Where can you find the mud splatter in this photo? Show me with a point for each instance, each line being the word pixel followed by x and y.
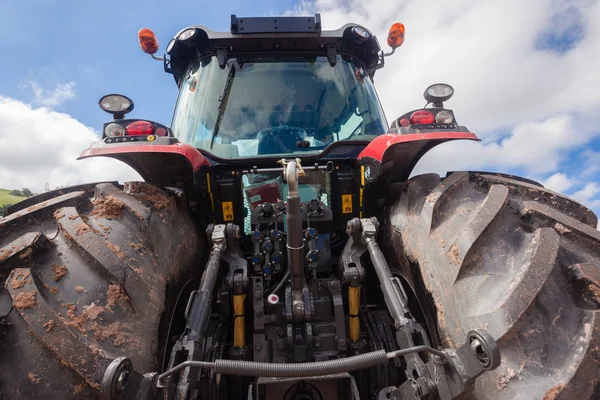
pixel 59 271
pixel 107 208
pixel 595 291
pixel 67 235
pixel 90 313
pixel 116 249
pixel 57 214
pixel 81 229
pixel 33 377
pixel 505 378
pixel 19 278
pixel 4 254
pixel 80 289
pixel 115 295
pixel 105 228
pixel 455 254
pixel 49 325
pixel 148 194
pixel 77 389
pixel 95 350
pixel 72 217
pixel 137 270
pixel 53 289
pixel 553 393
pixel 26 253
pixel 112 331
pixel 138 247
pixel 25 300
pixel 560 228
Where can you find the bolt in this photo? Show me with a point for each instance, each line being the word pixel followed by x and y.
pixel 333 284
pixel 258 310
pixel 281 332
pixel 317 342
pixel 258 294
pixel 342 342
pixel 281 345
pixel 258 346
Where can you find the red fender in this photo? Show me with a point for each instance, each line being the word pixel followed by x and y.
pixel 163 164
pixel 395 155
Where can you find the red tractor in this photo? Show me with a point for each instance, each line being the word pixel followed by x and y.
pixel 279 249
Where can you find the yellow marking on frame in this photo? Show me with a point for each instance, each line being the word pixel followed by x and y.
pixel 227 210
pixel 346 204
pixel 353 307
pixel 362 175
pixel 239 326
pixel 212 200
pixel 360 194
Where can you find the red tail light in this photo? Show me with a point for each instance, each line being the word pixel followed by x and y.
pixel 404 122
pixel 160 132
pixel 139 128
pixel 422 117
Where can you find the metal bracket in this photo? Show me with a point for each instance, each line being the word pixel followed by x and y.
pixel 331 55
pixel 455 374
pixel 222 56
pixel 237 277
pixel 120 381
pixel 349 266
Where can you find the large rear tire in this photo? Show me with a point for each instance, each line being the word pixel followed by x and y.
pixel 93 274
pixel 511 257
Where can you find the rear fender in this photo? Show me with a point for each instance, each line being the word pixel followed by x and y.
pixel 163 161
pixel 392 157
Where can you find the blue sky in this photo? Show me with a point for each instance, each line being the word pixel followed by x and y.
pixel 94 44
pixel 525 74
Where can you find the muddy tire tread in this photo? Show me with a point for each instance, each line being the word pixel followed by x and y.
pixel 507 255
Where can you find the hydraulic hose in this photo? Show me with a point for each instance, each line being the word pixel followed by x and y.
pixel 299 370
pixel 286 370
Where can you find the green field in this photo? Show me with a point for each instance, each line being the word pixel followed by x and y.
pixel 7 199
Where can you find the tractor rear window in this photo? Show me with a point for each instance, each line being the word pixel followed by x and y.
pixel 261 107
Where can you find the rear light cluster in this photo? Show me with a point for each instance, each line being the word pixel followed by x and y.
pixel 136 128
pixel 421 117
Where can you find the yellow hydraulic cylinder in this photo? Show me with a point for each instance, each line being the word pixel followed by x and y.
pixel 353 306
pixel 239 328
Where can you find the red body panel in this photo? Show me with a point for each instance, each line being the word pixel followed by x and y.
pixel 377 148
pixel 195 158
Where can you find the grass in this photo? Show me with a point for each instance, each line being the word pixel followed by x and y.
pixel 7 199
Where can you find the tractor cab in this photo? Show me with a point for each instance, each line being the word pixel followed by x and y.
pixel 271 90
pixel 274 87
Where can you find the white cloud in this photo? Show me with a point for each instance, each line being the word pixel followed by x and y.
pixel 525 75
pixel 558 182
pixel 39 146
pixel 587 194
pixel 52 98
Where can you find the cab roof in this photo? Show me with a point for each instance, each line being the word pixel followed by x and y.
pixel 272 36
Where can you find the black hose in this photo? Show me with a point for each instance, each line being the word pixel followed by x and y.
pixel 299 370
pixel 281 283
